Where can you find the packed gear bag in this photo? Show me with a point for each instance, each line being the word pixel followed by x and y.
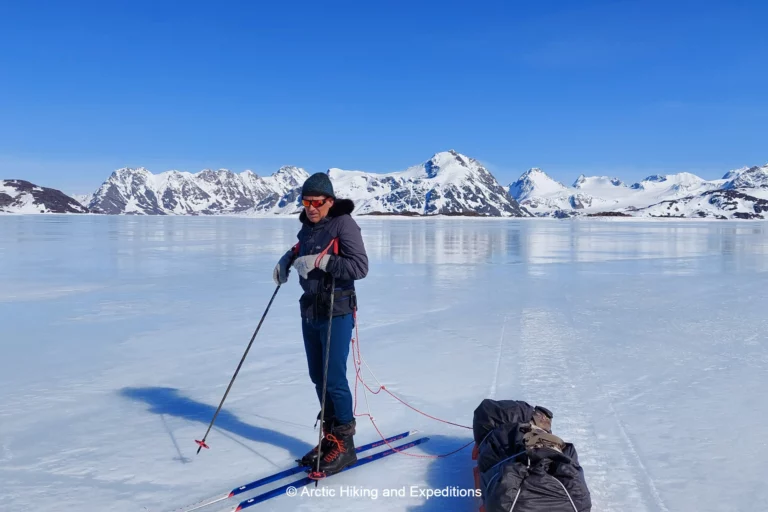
pixel 521 465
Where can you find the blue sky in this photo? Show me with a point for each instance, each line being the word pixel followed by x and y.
pixel 621 88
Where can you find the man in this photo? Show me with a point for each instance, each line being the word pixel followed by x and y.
pixel 325 219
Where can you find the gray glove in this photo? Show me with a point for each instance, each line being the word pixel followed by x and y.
pixel 306 264
pixel 282 269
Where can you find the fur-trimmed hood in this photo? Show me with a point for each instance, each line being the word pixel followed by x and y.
pixel 340 207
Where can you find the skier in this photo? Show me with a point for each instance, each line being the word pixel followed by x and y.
pixel 324 219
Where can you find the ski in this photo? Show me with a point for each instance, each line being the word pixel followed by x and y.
pixel 306 480
pixel 284 474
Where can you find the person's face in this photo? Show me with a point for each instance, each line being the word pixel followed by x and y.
pixel 316 213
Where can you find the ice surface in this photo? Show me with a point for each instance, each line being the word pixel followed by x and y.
pixel 120 334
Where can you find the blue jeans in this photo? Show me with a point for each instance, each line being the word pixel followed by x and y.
pixel 338 402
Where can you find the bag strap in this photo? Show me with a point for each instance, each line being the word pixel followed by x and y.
pixel 334 245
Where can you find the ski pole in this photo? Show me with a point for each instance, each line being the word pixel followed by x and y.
pixel 317 473
pixel 201 443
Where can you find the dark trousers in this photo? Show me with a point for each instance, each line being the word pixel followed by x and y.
pixel 338 402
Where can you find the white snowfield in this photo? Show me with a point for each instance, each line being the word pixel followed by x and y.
pixel 23 201
pixel 679 195
pixel 120 334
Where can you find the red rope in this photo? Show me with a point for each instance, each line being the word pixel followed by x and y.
pixel 357 358
pixel 334 243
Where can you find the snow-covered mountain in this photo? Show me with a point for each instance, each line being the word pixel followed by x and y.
pixel 83 199
pixel 448 184
pixel 682 194
pixel 536 183
pixel 747 177
pixel 19 196
pixel 718 204
pixel 540 194
pixel 138 191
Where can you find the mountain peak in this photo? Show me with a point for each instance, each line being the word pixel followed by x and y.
pixel 292 173
pixel 673 182
pixel 589 181
pixel 752 177
pixel 534 171
pixel 451 165
pixel 448 183
pixel 214 175
pixel 735 172
pixel 21 196
pixel 128 171
pixel 536 182
pixel 450 154
pixel 292 169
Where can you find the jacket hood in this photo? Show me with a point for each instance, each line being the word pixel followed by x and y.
pixel 340 207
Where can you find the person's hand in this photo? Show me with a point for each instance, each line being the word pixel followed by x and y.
pixel 282 269
pixel 306 264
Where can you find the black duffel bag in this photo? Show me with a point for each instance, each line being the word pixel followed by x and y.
pixel 523 466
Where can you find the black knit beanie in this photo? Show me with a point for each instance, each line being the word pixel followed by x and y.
pixel 319 184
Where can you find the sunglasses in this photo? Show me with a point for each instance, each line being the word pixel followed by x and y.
pixel 317 203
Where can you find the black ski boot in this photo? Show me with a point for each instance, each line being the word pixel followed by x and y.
pixel 342 452
pixel 310 458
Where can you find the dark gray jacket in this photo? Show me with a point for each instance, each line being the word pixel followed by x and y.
pixel 349 265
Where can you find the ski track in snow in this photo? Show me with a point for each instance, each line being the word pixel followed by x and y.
pixel 630 445
pixel 494 385
pixel 633 450
pixel 550 376
pixel 7 454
